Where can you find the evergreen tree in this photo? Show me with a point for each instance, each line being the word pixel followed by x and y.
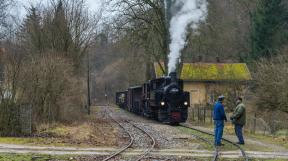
pixel 32 30
pixel 62 40
pixel 269 28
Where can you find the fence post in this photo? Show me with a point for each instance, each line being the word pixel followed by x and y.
pixel 254 124
pixel 198 113
pixel 193 111
pixel 211 117
pixel 204 114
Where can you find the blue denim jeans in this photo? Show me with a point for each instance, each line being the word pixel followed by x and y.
pixel 219 126
pixel 239 134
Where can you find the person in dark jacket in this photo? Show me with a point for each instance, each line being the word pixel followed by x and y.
pixel 239 120
pixel 219 117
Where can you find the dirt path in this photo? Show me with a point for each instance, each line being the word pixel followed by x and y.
pixel 251 142
pixel 21 149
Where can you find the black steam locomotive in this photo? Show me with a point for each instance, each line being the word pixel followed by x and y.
pixel 162 99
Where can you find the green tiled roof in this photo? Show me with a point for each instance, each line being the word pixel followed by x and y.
pixel 212 72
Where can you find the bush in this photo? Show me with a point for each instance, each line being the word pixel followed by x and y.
pixel 9 118
pixel 46 84
pixel 272 84
pixel 49 85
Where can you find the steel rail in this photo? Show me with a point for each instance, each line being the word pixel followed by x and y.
pixel 215 155
pixel 126 146
pixel 227 140
pixel 150 136
pixel 132 139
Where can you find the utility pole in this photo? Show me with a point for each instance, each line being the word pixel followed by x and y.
pixel 168 15
pixel 167 6
pixel 88 85
pixel 106 95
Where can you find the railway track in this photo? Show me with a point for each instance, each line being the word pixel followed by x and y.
pixel 216 154
pixel 123 124
pixel 152 139
pixel 123 148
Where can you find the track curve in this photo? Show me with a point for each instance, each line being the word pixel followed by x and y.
pixel 132 139
pixel 150 136
pixel 123 148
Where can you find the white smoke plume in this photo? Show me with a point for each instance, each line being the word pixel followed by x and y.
pixel 190 14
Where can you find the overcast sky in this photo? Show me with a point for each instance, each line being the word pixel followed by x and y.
pixel 94 5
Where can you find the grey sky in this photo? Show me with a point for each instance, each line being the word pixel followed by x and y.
pixel 94 5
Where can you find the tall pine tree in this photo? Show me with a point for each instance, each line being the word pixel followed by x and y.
pixel 269 28
pixel 32 35
pixel 62 40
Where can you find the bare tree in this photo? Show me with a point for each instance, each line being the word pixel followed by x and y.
pixel 66 26
pixel 225 34
pixel 81 25
pixel 40 69
pixel 272 85
pixel 4 5
pixel 144 22
pixel 11 60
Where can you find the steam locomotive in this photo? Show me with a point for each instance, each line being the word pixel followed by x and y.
pixel 162 99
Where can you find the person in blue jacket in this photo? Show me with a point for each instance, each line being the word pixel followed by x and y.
pixel 219 117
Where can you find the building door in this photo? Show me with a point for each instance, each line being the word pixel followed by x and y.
pixel 195 96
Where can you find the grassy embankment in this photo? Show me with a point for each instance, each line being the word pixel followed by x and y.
pixel 90 132
pixel 31 157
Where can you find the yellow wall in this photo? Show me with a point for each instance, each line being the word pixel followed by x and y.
pixel 197 92
pixel 202 93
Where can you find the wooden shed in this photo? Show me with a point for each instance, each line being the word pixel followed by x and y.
pixel 205 81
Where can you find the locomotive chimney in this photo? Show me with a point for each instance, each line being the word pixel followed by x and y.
pixel 173 76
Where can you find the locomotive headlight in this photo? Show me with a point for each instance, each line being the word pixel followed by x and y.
pixel 186 103
pixel 162 103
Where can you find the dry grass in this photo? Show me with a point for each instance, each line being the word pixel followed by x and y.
pixel 92 132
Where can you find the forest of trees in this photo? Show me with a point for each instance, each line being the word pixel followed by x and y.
pixel 43 64
pixel 44 59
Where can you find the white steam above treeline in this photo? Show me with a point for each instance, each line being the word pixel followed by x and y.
pixel 186 14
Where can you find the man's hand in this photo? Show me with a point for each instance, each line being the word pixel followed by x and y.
pixel 232 119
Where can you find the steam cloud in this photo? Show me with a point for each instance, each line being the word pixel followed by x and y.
pixel 190 14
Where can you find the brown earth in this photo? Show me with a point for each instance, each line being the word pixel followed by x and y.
pixel 93 131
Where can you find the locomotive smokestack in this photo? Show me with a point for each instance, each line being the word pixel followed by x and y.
pixel 173 76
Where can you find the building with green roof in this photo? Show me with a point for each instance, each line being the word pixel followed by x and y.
pixel 205 81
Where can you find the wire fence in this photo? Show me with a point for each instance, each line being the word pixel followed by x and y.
pixel 201 114
pixel 26 119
